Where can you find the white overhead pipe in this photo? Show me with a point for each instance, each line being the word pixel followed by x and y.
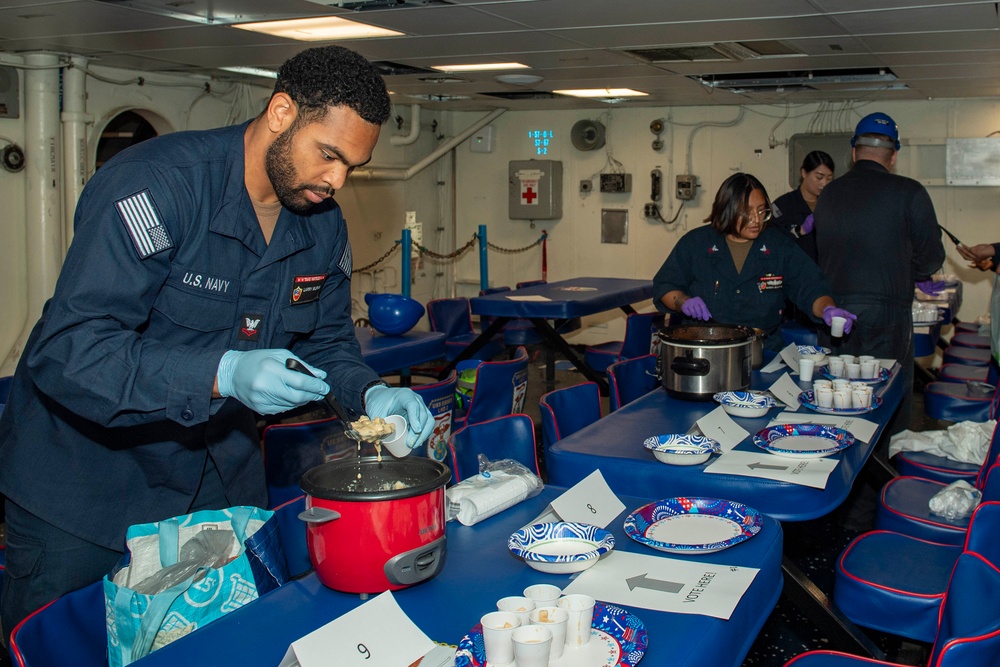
pixel 43 180
pixel 396 140
pixel 74 122
pixel 404 174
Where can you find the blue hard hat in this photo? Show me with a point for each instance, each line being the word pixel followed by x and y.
pixel 876 123
pixel 393 314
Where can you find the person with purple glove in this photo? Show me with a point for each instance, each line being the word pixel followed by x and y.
pixel 877 236
pixel 739 270
pixel 931 287
pixel 793 211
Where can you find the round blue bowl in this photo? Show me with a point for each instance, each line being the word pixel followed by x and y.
pixel 393 314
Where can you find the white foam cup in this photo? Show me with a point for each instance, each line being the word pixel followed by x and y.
pixel 853 371
pixel 868 369
pixel 836 365
pixel 824 397
pixel 519 605
pixel 532 644
pixel 849 358
pixel 837 326
pixel 555 619
pixel 581 618
pixel 842 399
pixel 544 595
pixel 396 443
pixel 498 641
pixel 806 367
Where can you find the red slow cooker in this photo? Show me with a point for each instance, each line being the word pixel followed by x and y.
pixel 375 526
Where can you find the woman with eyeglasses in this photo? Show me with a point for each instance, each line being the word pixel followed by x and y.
pixel 738 270
pixel 793 210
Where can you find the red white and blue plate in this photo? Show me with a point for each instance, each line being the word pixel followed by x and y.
pixel 803 441
pixel 688 525
pixel 807 399
pixel 618 638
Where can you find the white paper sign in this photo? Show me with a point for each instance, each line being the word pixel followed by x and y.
pixel 774 365
pixel 787 391
pixel 807 472
pixel 791 356
pixel 719 426
pixel 529 297
pixel 376 634
pixel 861 429
pixel 590 500
pixel 665 584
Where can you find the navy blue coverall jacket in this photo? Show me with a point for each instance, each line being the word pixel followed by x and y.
pixel 775 269
pixel 111 414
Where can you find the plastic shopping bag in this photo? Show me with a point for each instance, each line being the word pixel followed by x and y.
pixel 181 573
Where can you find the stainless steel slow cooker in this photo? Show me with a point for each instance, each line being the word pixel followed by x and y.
pixel 697 360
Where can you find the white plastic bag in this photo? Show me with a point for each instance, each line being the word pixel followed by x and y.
pixel 955 501
pixel 966 441
pixel 499 485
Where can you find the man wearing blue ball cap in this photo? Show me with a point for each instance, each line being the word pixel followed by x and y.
pixel 877 236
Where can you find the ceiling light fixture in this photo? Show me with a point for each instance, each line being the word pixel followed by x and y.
pixel 518 79
pixel 479 67
pixel 255 71
pixel 601 92
pixel 320 29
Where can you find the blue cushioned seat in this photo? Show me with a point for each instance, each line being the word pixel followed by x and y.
pixel 453 317
pixel 969 327
pixel 966 373
pixel 500 389
pixel 507 437
pixel 975 356
pixel 970 340
pixel 292 449
pixel 439 397
pixel 631 379
pixel 955 402
pixel 640 329
pixel 565 411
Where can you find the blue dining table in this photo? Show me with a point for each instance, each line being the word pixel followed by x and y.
pixel 614 444
pixel 556 302
pixel 390 354
pixel 478 571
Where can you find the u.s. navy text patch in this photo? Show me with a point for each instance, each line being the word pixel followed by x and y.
pixel 142 221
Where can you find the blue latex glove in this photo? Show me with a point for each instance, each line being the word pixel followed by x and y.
pixel 382 401
pixel 832 311
pixel 931 287
pixel 259 380
pixel 807 225
pixel 695 307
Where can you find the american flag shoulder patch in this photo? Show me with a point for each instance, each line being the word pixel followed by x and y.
pixel 346 263
pixel 143 223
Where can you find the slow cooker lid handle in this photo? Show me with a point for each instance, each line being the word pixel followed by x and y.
pixel 318 515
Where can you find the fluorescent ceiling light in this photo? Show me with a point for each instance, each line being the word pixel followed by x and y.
pixel 320 29
pixel 480 67
pixel 255 71
pixel 601 92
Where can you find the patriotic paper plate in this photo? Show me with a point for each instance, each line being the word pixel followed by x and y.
pixel 693 525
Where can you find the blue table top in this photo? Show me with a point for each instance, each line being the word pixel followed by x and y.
pixel 567 298
pixel 614 444
pixel 478 571
pixel 391 353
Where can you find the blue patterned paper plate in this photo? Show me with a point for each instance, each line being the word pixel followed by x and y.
pixel 812 349
pixel 693 525
pixel 573 546
pixel 803 441
pixel 882 376
pixel 745 403
pixel 618 638
pixel 807 399
pixel 682 444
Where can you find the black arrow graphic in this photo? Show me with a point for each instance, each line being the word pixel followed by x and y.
pixel 643 581
pixel 757 464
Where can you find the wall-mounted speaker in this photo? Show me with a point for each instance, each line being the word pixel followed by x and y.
pixel 587 135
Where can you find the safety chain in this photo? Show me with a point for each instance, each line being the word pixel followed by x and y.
pixel 455 254
pixel 362 269
pixel 513 251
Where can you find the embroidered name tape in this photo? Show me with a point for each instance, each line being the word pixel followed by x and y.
pixel 148 234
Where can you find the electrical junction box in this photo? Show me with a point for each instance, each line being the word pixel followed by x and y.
pixel 482 141
pixel 616 182
pixel 686 186
pixel 534 189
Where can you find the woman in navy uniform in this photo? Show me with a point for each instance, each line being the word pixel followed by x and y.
pixel 740 271
pixel 793 210
pixel 201 262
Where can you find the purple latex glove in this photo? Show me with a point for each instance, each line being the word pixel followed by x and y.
pixel 831 312
pixel 931 287
pixel 695 307
pixel 807 225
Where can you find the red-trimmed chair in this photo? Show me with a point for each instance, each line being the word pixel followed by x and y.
pixel 70 630
pixel 501 388
pixel 639 331
pixel 631 379
pixel 973 356
pixel 903 507
pixel 453 318
pixel 969 630
pixel 951 401
pixel 565 411
pixel 969 327
pixel 895 583
pixel 439 397
pixel 943 469
pixel 970 340
pixel 966 373
pixel 507 437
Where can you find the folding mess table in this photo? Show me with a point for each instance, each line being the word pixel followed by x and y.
pixel 387 354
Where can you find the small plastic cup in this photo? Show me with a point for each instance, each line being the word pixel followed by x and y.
pixel 396 443
pixel 837 326
pixel 555 619
pixel 836 367
pixel 824 397
pixel 822 384
pixel 860 399
pixel 498 640
pixel 581 618
pixel 842 399
pixel 519 605
pixel 532 644
pixel 544 595
pixel 868 369
pixel 849 358
pixel 806 367
pixel 853 371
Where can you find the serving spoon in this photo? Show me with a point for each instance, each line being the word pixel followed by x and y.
pixel 331 402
